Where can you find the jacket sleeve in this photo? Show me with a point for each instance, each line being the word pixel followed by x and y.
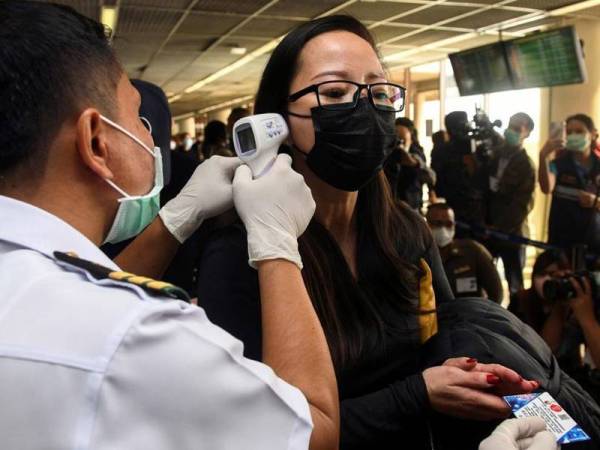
pixel 516 188
pixel 228 288
pixel 373 417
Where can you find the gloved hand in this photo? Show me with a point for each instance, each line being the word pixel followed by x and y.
pixel 275 208
pixel 208 193
pixel 520 434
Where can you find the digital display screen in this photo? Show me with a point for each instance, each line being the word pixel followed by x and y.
pixel 245 138
pixel 482 70
pixel 551 58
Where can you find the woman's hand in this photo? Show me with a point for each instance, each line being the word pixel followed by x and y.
pixel 582 304
pixel 587 199
pixel 551 146
pixel 511 383
pixel 464 388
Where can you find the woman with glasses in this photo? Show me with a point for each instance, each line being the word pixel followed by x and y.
pixel 370 265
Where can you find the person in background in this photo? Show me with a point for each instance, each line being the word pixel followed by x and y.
pixel 236 114
pixel 458 172
pixel 512 186
pixel 215 140
pixel 406 168
pixel 564 323
pixel 468 265
pixel 569 170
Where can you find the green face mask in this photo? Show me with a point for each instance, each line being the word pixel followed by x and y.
pixel 578 142
pixel 512 138
pixel 135 212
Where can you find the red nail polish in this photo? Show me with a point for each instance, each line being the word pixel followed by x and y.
pixel 471 360
pixel 493 379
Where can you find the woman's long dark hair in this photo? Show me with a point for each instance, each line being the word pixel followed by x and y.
pixel 389 236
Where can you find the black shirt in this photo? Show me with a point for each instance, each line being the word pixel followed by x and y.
pixel 383 396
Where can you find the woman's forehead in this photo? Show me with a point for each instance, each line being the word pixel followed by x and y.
pixel 338 53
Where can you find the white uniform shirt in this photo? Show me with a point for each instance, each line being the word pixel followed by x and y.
pixel 87 364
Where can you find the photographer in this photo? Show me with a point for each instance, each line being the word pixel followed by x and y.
pixel 569 170
pixel 406 168
pixel 564 317
pixel 458 171
pixel 511 185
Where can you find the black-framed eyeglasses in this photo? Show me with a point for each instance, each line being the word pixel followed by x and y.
pixel 344 94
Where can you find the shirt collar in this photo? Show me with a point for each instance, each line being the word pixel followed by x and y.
pixel 31 227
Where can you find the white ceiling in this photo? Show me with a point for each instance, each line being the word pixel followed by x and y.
pixel 178 43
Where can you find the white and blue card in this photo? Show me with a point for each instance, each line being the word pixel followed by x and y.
pixel 558 421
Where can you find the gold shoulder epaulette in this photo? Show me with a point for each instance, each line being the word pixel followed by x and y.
pixel 100 273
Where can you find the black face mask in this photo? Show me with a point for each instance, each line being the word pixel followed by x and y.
pixel 351 145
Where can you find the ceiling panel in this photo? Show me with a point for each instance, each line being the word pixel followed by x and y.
pixel 133 20
pixel 208 24
pixel 266 28
pixel 433 15
pixel 239 6
pixel 543 4
pixel 376 11
pixel 485 18
pixel 303 8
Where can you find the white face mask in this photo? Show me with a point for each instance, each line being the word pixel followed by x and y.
pixel 442 236
pixel 188 143
pixel 135 212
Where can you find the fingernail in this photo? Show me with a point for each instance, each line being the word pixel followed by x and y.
pixel 471 360
pixel 493 379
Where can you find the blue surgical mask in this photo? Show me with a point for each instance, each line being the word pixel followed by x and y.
pixel 135 212
pixel 578 142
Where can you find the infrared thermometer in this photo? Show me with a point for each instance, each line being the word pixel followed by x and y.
pixel 257 139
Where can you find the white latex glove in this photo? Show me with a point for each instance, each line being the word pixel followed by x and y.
pixel 520 434
pixel 207 194
pixel 275 208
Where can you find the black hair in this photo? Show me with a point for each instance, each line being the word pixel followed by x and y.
pixel 390 237
pixel 455 122
pixel 414 133
pixel 585 119
pixel 215 132
pixel 524 117
pixel 215 136
pixel 547 258
pixel 54 62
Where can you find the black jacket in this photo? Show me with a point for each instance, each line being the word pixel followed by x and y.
pixel 491 334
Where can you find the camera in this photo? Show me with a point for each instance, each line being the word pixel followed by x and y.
pixel 482 128
pixel 561 288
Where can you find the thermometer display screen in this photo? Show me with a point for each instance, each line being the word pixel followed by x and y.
pixel 246 139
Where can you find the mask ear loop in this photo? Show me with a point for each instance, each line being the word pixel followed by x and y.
pixel 127 133
pixel 147 124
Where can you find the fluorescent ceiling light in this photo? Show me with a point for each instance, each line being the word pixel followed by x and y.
pixel 235 65
pixel 174 98
pixel 109 15
pixel 238 50
pixel 225 104
pixel 574 8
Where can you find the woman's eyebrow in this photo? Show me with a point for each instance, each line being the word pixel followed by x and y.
pixel 339 73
